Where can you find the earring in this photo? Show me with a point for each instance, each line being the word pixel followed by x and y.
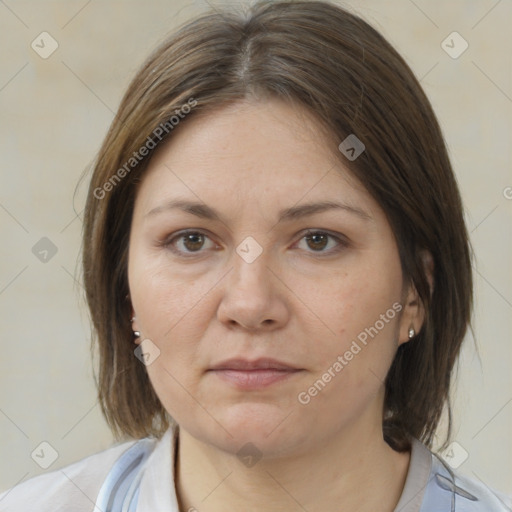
pixel 136 334
pixel 412 332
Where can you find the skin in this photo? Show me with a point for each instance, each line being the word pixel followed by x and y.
pixel 248 161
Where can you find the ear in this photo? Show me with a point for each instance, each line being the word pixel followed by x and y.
pixel 413 314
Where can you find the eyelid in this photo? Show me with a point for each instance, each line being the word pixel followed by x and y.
pixel 167 242
pixel 341 240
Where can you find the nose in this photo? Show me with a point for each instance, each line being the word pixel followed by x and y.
pixel 254 296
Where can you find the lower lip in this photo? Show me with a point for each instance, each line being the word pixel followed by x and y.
pixel 254 379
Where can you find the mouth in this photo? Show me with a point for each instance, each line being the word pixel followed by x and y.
pixel 254 379
pixel 263 363
pixel 247 375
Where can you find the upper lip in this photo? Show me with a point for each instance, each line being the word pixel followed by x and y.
pixel 263 363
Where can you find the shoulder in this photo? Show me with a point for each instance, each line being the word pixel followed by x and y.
pixel 478 496
pixel 73 487
pixel 460 492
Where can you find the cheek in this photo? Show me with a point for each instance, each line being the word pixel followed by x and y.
pixel 351 367
pixel 349 303
pixel 362 312
pixel 170 313
pixel 166 300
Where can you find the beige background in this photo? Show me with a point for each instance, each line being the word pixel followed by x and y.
pixel 54 114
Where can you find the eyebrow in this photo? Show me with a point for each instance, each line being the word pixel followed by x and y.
pixel 288 214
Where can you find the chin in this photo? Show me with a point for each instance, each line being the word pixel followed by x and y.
pixel 264 427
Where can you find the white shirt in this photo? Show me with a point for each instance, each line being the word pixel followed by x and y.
pixel 139 476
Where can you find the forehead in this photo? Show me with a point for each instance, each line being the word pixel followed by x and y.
pixel 249 151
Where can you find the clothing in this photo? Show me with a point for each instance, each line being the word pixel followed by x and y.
pixel 139 475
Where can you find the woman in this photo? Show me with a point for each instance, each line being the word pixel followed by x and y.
pixel 279 277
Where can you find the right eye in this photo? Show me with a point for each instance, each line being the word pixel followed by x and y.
pixel 186 242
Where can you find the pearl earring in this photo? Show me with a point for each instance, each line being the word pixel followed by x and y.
pixel 136 334
pixel 412 332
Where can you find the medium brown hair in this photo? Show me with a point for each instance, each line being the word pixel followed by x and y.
pixel 345 73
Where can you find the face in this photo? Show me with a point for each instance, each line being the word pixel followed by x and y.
pixel 251 274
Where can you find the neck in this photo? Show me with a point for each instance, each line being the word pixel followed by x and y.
pixel 354 470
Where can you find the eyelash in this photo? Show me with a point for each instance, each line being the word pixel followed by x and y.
pixel 168 243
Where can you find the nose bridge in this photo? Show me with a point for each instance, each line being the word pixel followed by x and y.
pixel 250 298
pixel 250 263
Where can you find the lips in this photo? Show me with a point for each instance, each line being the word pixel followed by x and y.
pixel 258 364
pixel 252 375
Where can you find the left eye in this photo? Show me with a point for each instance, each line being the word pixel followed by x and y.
pixel 319 241
pixel 193 242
